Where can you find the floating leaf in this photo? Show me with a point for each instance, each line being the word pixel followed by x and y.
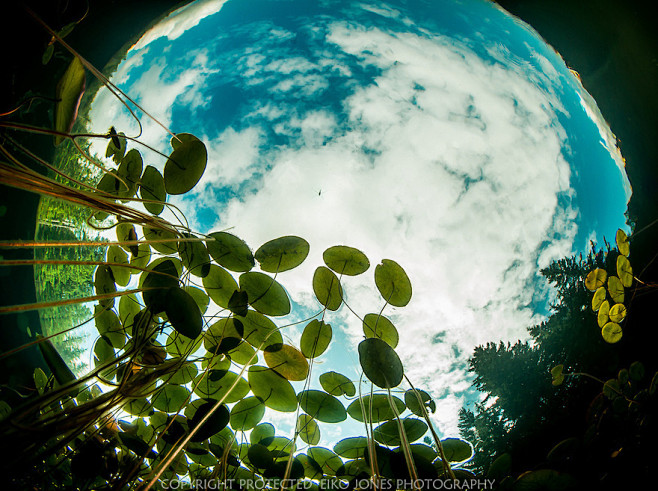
pixel 194 256
pixel 315 338
pixel 263 434
pixel 247 413
pixel 377 408
pixel 260 456
pixel 603 315
pixel 184 375
pixel 616 289
pixel 274 390
pixel 224 335
pixel 337 384
pixel 170 398
pixel 231 252
pixel 380 363
pixel 622 242
pixel 346 260
pixel 41 380
pixel 185 166
pixel 388 433
pixel 116 148
pixel 239 303
pixel 183 312
pixel 322 406
pixel 259 331
pixel 153 234
pixel 213 425
pixel 219 285
pixel 557 375
pixel 265 294
pixel 104 284
pixel 243 354
pixel 282 254
pixel 69 93
pixel 128 307
pixel 617 312
pixel 598 298
pixel 202 300
pixel 352 448
pixel 180 346
pixel 636 370
pixel 456 450
pixel 595 279
pixel 126 231
pixel 624 271
pixel 328 461
pixel 117 255
pixel 393 283
pixel 137 445
pixel 152 188
pixel 611 332
pixel 103 354
pixel 216 387
pixel 308 429
pixel 378 326
pixel 411 400
pixel 157 283
pixel 141 258
pixel 327 289
pixel 130 171
pixel 287 361
pixel 138 407
pixel 109 325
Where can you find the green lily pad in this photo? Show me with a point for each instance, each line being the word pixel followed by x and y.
pixel 157 283
pixel 104 284
pixel 322 406
pixel 224 335
pixel 327 289
pixel 315 338
pixel 159 234
pixel 130 171
pixel 378 326
pixel 194 257
pixel 308 429
pixel 247 413
pixel 624 271
pixel 274 390
pixel 219 285
pixel 69 93
pixel 216 387
pixel 388 432
pixel 393 283
pixel 116 147
pixel 352 448
pixel 616 289
pixel 456 450
pixel 346 260
pixel 117 255
pixel 287 361
pixel 282 254
pixel 598 298
pixel 184 375
pixel 623 244
pixel 185 166
pixel 263 434
pixel 380 363
pixel 265 294
pixel 328 461
pixel 231 252
pixel 213 425
pixel 595 279
pixel 604 313
pixel 170 398
pixel 183 312
pixel 617 312
pixel 611 332
pixel 377 408
pixel 202 300
pixel 109 325
pixel 337 384
pixel 259 331
pixel 152 188
pixel 411 400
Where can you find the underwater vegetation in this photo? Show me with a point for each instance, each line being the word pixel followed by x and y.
pixel 175 394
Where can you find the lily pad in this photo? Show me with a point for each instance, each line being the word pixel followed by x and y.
pixel 69 93
pixel 194 256
pixel 322 406
pixel 219 285
pixel 315 338
pixel 411 400
pixel 185 166
pixel 247 413
pixel 259 331
pixel 157 283
pixel 378 326
pixel 287 361
pixel 393 283
pixel 380 363
pixel 327 289
pixel 328 461
pixel 456 450
pixel 616 289
pixel 617 312
pixel 224 335
pixel 231 252
pixel 274 390
pixel 117 255
pixel 624 271
pixel 595 279
pixel 130 171
pixel 623 244
pixel 265 294
pixel 377 408
pixel 154 234
pixel 346 260
pixel 352 448
pixel 611 332
pixel 282 254
pixel 170 398
pixel 213 425
pixel 183 312
pixel 337 384
pixel 598 298
pixel 388 433
pixel 603 316
pixel 152 188
pixel 308 429
pixel 220 386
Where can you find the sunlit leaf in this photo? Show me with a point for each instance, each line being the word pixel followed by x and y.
pixel 152 187
pixel 616 289
pixel 378 326
pixel 183 312
pixel 157 283
pixel 141 257
pixel 224 335
pixel 263 434
pixel 346 260
pixel 595 279
pixel 308 429
pixel 351 448
pixel 624 271
pixel 622 242
pixel 265 294
pixel 259 331
pixel 393 283
pixel 199 296
pixel 247 413
pixel 603 316
pixel 117 255
pixel 598 298
pixel 109 325
pixel 282 254
pixel 159 234
pixel 194 256
pixel 219 285
pixel 380 363
pixel 287 361
pixel 556 375
pixel 126 231
pixel 274 390
pixel 170 398
pixel 337 384
pixel 243 354
pixel 129 306
pixel 217 387
pixel 69 93
pixel 611 332
pixel 185 166
pixel 231 252
pixel 184 375
pixel 104 284
pixel 130 171
pixel 328 461
pixel 180 346
pixel 617 312
pixel 388 433
pixel 411 400
pixel 377 408
pixel 456 450
pixel 322 406
pixel 327 289
pixel 315 338
pixel 138 407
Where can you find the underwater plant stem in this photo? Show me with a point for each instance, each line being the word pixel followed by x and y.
pixel 404 441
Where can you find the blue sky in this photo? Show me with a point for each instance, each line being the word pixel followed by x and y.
pixel 444 135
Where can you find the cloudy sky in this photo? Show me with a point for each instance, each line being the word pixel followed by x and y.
pixel 444 136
